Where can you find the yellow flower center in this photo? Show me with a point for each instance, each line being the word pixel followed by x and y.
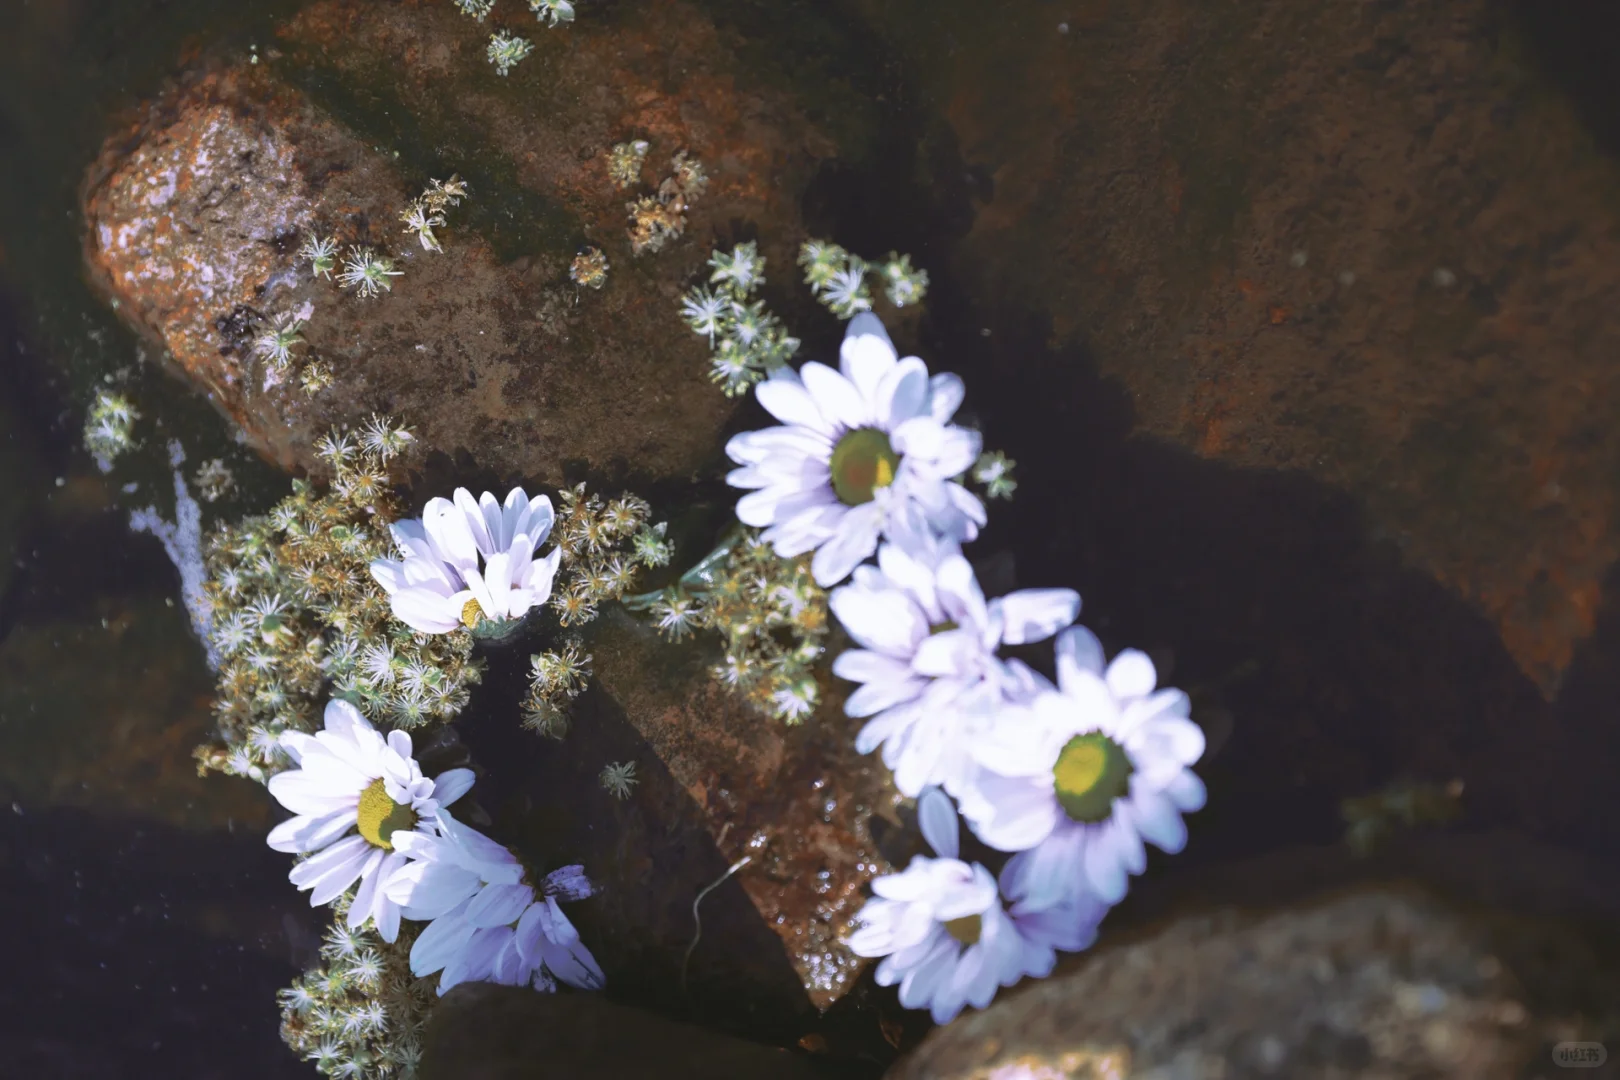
pixel 862 462
pixel 1091 772
pixel 966 929
pixel 380 816
pixel 471 612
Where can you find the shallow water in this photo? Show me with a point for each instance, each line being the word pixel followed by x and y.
pixel 1335 603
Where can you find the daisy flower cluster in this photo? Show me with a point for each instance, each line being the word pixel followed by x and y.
pixel 377 842
pixel 556 678
pixel 840 280
pixel 624 162
pixel 213 480
pixel 1069 778
pixel 603 546
pixel 367 272
pixel 109 427
pixel 471 565
pixel 363 270
pixel 274 346
pixel 425 213
pixel 748 343
pixel 360 1012
pixel 276 342
pixel 658 218
pixel 295 609
pixel 589 269
pixel 769 612
pixel 551 12
pixel 505 51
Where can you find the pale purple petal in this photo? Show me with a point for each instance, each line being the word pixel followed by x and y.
pixel 936 816
pixel 789 401
pixel 836 397
pixel 568 883
pixel 945 393
pixel 1036 614
pixel 1131 674
pixel 451 785
pixel 310 833
pixel 857 538
pixel 499 905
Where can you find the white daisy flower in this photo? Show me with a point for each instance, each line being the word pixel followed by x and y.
pixel 928 662
pixel 943 933
pixel 862 452
pixel 468 563
pixel 350 777
pixel 1096 767
pixel 486 924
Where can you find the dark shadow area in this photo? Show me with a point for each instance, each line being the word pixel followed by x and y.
pixel 1345 670
pixel 1574 44
pixel 136 950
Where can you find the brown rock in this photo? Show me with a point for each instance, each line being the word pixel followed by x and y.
pixel 484 1032
pixel 795 802
pixel 1375 982
pixel 1360 240
pixel 718 787
pixel 196 212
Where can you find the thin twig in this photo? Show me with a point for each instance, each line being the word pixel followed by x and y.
pixel 697 919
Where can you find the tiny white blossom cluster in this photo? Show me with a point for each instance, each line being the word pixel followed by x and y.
pixel 366 819
pixel 1070 778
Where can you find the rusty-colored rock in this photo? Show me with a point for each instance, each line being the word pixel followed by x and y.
pixel 195 214
pixel 1359 240
pixel 715 784
pixel 795 802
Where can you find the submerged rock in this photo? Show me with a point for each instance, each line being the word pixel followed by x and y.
pixel 196 214
pixel 795 802
pixel 1367 242
pixel 1375 982
pixel 484 1032
pixel 789 811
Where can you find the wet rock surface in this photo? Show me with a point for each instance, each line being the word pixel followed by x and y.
pixel 716 785
pixel 1374 982
pixel 484 1032
pixel 797 803
pixel 1365 242
pixel 195 214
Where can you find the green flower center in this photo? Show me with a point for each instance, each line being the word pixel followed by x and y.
pixel 862 462
pixel 1091 772
pixel 966 929
pixel 380 816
